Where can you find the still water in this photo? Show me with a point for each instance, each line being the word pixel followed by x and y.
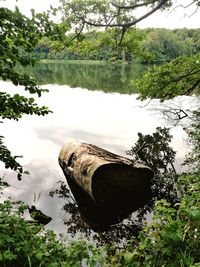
pixel 109 120
pixel 106 77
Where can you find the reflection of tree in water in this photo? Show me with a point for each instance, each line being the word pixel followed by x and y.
pixel 106 77
pixel 176 112
pixel 75 223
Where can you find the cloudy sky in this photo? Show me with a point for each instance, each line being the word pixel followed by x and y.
pixel 178 18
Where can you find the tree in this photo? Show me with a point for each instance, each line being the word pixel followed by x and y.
pixel 107 13
pixel 19 36
pixel 178 77
pixel 163 45
pixel 155 151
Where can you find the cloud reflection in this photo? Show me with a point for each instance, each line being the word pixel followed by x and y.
pixel 62 135
pixel 34 190
pixel 108 120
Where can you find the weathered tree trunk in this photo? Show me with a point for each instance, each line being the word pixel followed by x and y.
pixel 107 187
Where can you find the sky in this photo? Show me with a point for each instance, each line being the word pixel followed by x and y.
pixel 178 18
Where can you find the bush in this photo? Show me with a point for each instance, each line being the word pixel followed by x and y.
pixel 24 243
pixel 173 238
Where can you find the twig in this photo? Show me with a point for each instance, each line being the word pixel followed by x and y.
pixel 132 6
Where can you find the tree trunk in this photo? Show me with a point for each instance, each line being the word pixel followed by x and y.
pixel 106 186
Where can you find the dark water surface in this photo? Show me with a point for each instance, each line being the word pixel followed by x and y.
pixel 109 120
pixel 105 76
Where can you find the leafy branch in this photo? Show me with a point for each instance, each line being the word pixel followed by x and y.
pixel 107 13
pixel 9 160
pixel 19 36
pixel 177 77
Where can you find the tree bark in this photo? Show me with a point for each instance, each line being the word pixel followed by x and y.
pixel 106 186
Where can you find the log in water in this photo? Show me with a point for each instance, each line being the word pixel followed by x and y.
pixel 106 186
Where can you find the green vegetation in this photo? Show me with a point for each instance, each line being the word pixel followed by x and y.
pixel 178 77
pixel 93 46
pixel 173 237
pixel 139 45
pixel 26 244
pixel 19 36
pixel 93 75
pixel 164 45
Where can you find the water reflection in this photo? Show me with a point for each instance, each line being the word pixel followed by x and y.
pixel 109 120
pixel 106 77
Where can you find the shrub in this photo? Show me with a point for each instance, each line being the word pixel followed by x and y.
pixel 24 243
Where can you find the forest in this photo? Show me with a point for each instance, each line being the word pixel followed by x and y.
pixel 139 45
pixel 172 238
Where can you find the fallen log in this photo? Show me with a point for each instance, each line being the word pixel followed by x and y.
pixel 106 186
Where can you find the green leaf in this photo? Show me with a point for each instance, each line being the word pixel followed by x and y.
pixel 39 255
pixel 127 257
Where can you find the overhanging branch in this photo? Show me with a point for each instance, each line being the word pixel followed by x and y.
pixel 129 24
pixel 132 6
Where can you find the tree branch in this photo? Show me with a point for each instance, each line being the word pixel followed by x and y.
pixel 129 24
pixel 78 33
pixel 192 88
pixel 133 6
pixel 182 6
pixel 124 29
pixel 186 75
pixel 118 13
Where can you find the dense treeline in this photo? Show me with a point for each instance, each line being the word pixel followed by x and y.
pixel 144 45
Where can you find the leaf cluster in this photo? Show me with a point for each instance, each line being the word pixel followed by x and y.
pixel 193 158
pixel 19 36
pixel 9 160
pixel 12 107
pixel 23 243
pixel 106 13
pixel 177 77
pixel 172 239
pixel 155 151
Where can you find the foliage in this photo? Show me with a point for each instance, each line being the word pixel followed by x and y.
pixel 173 236
pixel 172 239
pixel 100 45
pixel 145 45
pixel 19 36
pixel 193 158
pixel 12 107
pixel 164 45
pixel 23 243
pixel 106 13
pixel 178 77
pixel 155 151
pixel 9 160
pixel 104 45
pixel 3 185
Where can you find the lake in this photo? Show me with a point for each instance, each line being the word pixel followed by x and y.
pixel 109 118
